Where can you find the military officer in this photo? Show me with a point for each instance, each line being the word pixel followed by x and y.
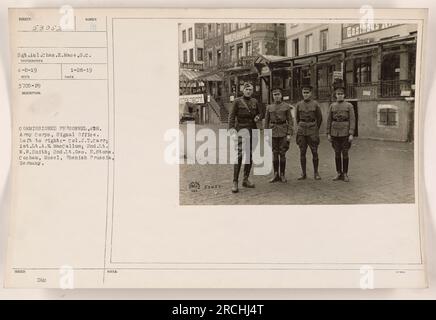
pixel 309 118
pixel 278 118
pixel 340 131
pixel 244 113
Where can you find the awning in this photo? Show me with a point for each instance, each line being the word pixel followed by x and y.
pixel 210 77
pixel 266 58
pixel 304 61
pixel 189 74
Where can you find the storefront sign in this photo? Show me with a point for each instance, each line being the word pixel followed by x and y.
pixel 366 93
pixel 238 35
pixel 265 70
pixel 337 75
pixel 192 98
pixel 359 29
pixel 405 93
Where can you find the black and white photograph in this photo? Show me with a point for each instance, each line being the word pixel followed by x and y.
pixel 297 113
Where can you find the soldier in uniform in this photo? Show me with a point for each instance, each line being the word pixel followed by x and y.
pixel 340 130
pixel 309 118
pixel 244 113
pixel 278 118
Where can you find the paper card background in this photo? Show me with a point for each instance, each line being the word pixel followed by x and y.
pixel 430 130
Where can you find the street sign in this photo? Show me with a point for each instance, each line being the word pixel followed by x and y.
pixel 192 98
pixel 337 75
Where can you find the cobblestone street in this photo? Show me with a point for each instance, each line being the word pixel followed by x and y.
pixel 380 172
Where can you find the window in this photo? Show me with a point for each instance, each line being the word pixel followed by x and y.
pixel 218 57
pixel 184 36
pixel 232 53
pixel 200 54
pixel 209 30
pixel 190 34
pixel 210 58
pixel 323 39
pixel 239 51
pixel 233 27
pixel 295 47
pixel 362 70
pixel 191 55
pixel 218 29
pixel 199 33
pixel 305 75
pixel 185 56
pixel 387 115
pixel 282 48
pixel 248 48
pixel 309 43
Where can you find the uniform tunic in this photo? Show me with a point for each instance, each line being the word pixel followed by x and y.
pixel 242 113
pixel 278 118
pixel 341 121
pixel 309 118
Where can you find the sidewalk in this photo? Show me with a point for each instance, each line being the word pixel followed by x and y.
pixel 380 172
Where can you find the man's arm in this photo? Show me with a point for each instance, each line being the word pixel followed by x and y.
pixel 290 122
pixel 329 120
pixel 352 119
pixel 232 115
pixel 267 118
pixel 318 115
pixel 297 115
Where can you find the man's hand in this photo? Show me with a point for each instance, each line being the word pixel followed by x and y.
pixel 288 137
pixel 350 138
pixel 329 138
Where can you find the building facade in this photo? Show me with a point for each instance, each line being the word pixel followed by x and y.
pixel 191 45
pixel 376 62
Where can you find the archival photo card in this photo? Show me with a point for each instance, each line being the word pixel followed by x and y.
pixel 216 148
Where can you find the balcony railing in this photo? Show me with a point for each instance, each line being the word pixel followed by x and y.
pixel 191 65
pixel 360 91
pixel 373 90
pixel 394 88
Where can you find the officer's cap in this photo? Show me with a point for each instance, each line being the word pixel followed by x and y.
pixel 307 87
pixel 276 90
pixel 247 85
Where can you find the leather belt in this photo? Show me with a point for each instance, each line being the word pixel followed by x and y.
pixel 278 122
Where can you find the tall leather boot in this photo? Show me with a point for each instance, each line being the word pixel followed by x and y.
pixel 345 163
pixel 276 170
pixel 236 170
pixel 339 176
pixel 315 169
pixel 247 183
pixel 282 168
pixel 303 169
